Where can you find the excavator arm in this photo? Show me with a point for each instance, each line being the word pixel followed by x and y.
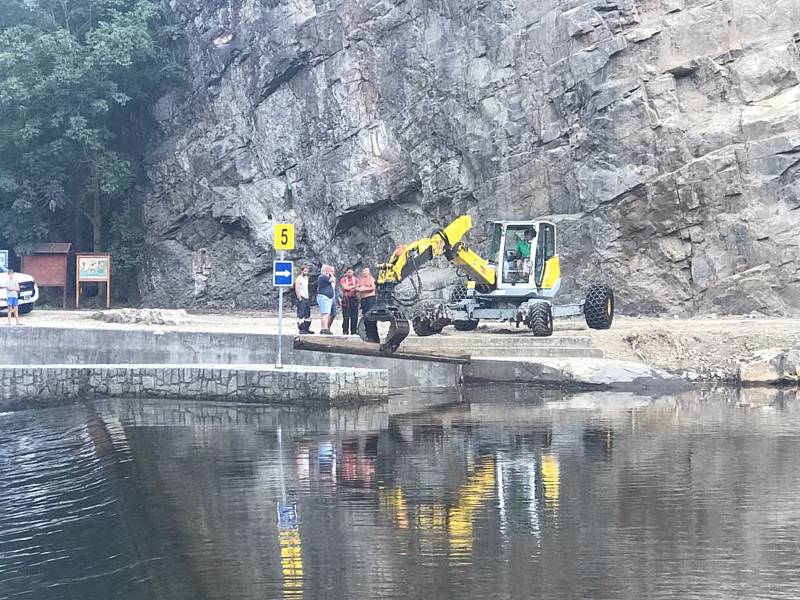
pixel 443 242
pixel 410 258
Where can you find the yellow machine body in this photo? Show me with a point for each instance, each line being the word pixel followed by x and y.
pixel 516 282
pixel 444 242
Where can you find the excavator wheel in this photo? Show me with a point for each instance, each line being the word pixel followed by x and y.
pixel 466 325
pixel 540 319
pixel 424 329
pixel 426 320
pixel 598 309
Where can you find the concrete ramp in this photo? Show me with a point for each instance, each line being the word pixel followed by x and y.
pixel 569 362
pixel 518 345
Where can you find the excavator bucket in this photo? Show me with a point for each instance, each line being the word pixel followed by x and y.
pixel 399 328
pixel 385 310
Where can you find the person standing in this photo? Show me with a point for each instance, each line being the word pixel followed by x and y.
pixel 12 296
pixel 325 298
pixel 335 301
pixel 366 291
pixel 349 285
pixel 303 301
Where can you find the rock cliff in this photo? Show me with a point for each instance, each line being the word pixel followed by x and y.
pixel 662 135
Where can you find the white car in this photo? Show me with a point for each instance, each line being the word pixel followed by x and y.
pixel 28 291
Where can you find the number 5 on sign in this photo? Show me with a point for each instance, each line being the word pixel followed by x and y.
pixel 283 236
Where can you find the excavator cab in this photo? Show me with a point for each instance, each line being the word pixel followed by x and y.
pixel 525 257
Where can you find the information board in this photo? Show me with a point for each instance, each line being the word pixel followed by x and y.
pixel 92 268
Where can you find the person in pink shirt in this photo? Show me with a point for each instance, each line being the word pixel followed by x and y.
pixel 349 285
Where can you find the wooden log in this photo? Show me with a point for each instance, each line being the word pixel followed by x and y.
pixel 320 343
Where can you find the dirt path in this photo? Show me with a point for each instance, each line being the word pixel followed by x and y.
pixel 704 348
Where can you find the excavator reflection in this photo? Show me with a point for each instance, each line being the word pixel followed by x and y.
pixel 456 521
pixel 289 536
pixel 444 486
pixel 291 563
pixel 509 484
pixel 472 496
pixel 551 480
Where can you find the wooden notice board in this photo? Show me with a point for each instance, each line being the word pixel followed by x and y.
pixel 92 267
pixel 48 265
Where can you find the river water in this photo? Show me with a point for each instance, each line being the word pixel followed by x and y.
pixel 507 495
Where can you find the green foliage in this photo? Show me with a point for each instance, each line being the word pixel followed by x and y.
pixel 76 80
pixel 127 239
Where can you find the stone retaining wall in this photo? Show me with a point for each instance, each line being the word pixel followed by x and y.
pixel 58 345
pixel 30 386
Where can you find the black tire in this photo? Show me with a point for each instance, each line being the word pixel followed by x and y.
pixel 541 322
pixel 424 329
pixel 25 309
pixel 458 293
pixel 421 320
pixel 598 309
pixel 466 325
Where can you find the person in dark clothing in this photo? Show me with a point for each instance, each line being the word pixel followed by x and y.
pixel 303 301
pixel 325 298
pixel 366 291
pixel 349 285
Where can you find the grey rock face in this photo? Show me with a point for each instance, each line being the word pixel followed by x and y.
pixel 662 135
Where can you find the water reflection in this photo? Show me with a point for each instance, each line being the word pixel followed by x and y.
pixel 291 551
pixel 504 496
pixel 470 499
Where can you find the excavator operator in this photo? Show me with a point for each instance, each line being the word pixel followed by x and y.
pixel 523 250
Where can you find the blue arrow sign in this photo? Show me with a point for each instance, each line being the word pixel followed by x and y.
pixel 287 516
pixel 283 273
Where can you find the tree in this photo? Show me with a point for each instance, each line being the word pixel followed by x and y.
pixel 76 76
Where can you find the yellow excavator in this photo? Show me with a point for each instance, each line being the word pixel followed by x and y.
pixel 517 284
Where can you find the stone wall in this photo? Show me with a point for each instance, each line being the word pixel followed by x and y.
pixel 58 345
pixel 30 386
pixel 662 135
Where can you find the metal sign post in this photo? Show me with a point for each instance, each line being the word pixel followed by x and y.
pixel 278 361
pixel 282 275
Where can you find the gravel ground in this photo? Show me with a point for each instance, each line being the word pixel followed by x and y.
pixel 699 348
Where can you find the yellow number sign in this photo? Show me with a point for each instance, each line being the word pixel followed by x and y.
pixel 283 236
